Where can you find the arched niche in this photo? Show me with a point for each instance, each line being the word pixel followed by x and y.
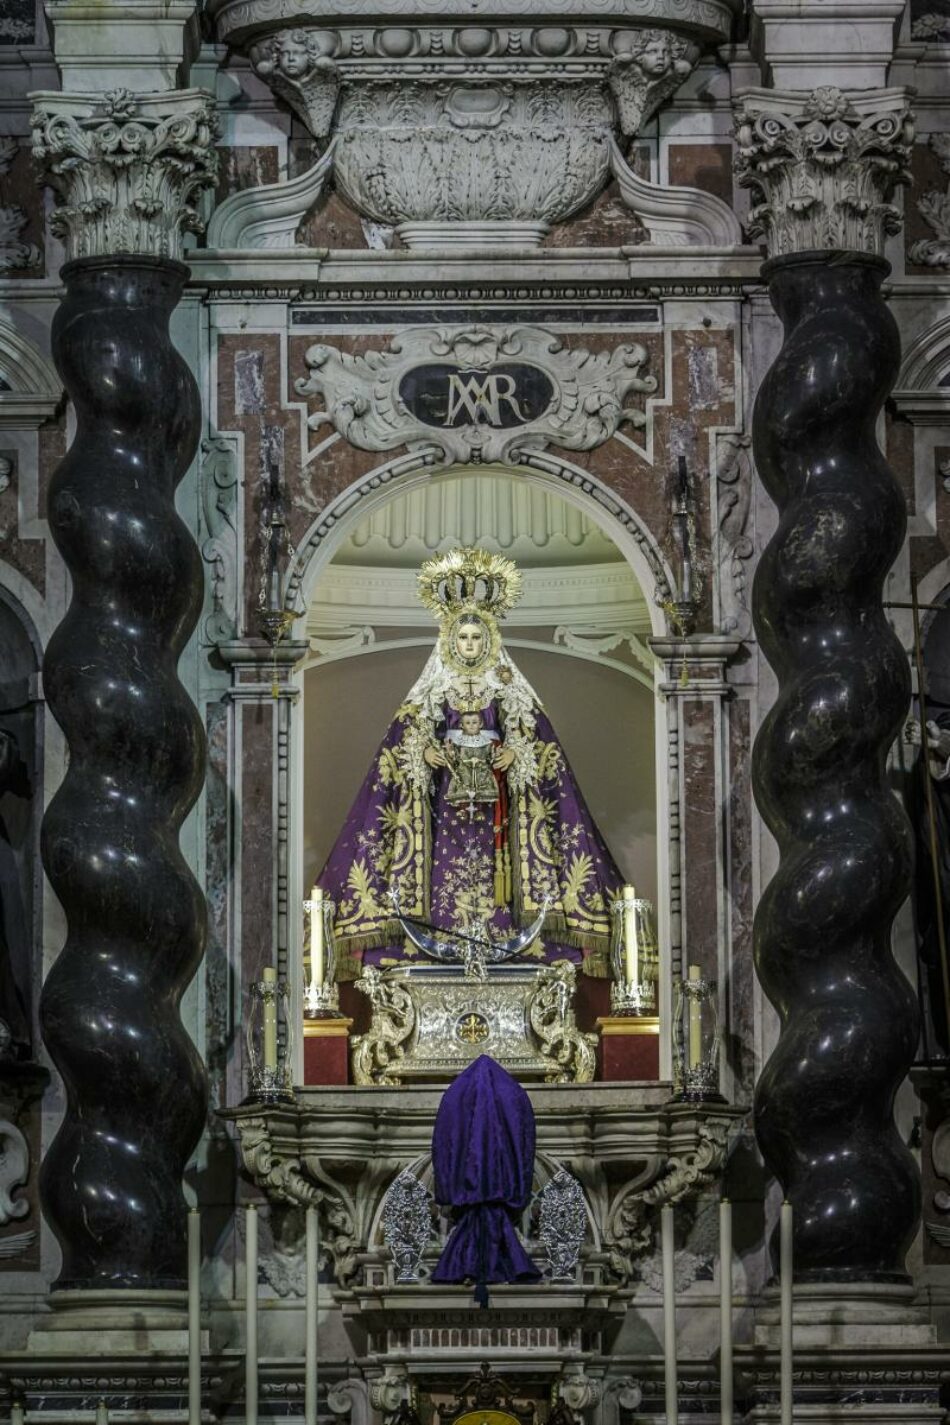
pixel 636 680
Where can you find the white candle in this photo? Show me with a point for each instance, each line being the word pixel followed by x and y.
pixel 669 1313
pixel 725 1312
pixel 695 1025
pixel 102 1413
pixel 785 1313
pixel 631 950
pixel 269 977
pixel 310 1322
pixel 194 1317
pixel 17 1413
pixel 250 1316
pixel 317 970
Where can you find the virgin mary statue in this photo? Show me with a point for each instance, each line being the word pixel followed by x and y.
pixel 470 811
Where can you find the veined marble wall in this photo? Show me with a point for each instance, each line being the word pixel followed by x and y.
pixel 297 269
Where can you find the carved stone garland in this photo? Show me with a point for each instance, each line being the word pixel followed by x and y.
pixel 111 1181
pixel 822 930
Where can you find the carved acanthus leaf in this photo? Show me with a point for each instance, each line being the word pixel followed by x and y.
pixel 13 253
pixel 734 542
pixel 128 168
pixel 825 166
pixel 934 208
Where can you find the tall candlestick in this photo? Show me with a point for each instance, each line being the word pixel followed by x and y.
pixel 310 1321
pixel 317 968
pixel 695 1023
pixel 250 1316
pixel 194 1317
pixel 669 1313
pixel 269 977
pixel 785 1312
pixel 725 1312
pixel 631 950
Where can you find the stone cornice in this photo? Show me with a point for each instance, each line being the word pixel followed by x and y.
pixel 128 168
pixel 824 166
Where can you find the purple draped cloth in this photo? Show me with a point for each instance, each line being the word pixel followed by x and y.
pixel 483 1163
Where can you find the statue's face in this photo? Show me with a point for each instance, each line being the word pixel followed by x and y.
pixel 294 59
pixel 470 642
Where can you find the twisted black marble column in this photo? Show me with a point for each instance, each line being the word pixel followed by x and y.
pixel 822 932
pixel 136 1096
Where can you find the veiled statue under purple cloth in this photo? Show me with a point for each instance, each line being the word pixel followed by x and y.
pixel 470 811
pixel 483 1165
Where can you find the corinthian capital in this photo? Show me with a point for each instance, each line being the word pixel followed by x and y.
pixel 128 168
pixel 824 166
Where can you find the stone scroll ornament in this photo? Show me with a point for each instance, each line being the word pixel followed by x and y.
pixel 111 1180
pixel 824 1102
pixel 477 394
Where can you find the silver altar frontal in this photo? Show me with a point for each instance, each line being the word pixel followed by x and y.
pixel 430 1021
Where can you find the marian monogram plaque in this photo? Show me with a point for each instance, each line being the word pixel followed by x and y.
pixel 477 394
pixel 503 397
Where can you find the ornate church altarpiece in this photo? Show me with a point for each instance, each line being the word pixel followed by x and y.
pixel 335 411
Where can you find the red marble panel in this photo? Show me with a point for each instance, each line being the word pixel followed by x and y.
pixel 257 838
pixel 702 165
pixel 245 166
pixel 699 830
pixel 739 1032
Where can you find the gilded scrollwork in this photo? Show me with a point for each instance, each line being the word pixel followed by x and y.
pixel 375 1053
pixel 570 1052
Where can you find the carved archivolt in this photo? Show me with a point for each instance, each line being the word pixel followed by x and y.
pixel 384 399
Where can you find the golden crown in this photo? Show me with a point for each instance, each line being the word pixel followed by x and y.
pixel 469 577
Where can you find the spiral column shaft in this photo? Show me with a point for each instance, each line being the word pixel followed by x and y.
pixel 136 1096
pixel 824 1102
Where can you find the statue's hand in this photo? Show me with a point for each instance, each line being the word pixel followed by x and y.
pixel 502 758
pixel 435 756
pixel 912 732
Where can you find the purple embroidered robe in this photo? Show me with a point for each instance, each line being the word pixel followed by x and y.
pixel 453 865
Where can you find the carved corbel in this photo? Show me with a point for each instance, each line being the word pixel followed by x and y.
pixel 648 65
pixel 298 66
pixel 390 1390
pixel 579 1391
pixel 349 1397
pixel 282 1181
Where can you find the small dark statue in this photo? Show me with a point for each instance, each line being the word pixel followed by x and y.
pixel 15 1036
pixel 936 768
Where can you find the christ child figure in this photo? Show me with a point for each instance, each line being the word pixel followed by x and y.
pixel 470 756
